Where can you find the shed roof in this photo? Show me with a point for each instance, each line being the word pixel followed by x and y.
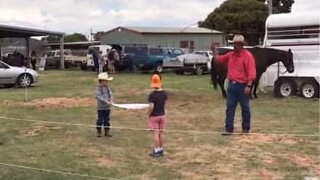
pixel 7 31
pixel 166 30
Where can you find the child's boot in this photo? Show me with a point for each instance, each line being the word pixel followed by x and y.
pixel 107 132
pixel 98 132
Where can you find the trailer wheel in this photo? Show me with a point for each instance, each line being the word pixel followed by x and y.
pixel 309 89
pixel 284 88
pixel 159 68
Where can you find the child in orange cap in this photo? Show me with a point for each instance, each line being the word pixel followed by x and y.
pixel 156 113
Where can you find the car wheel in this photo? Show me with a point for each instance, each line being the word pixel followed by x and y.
pixel 310 89
pixel 24 80
pixel 159 68
pixel 284 88
pixel 198 70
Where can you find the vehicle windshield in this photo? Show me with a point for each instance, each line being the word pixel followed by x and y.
pixel 51 54
pixel 156 51
pixel 2 65
pixel 202 53
pixel 136 50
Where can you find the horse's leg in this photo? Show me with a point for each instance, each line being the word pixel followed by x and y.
pixel 256 85
pixel 221 84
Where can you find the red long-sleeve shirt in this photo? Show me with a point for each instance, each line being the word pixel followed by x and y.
pixel 241 67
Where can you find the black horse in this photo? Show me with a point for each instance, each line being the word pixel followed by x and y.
pixel 264 57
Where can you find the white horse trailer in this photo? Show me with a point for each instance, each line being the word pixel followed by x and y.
pixel 301 34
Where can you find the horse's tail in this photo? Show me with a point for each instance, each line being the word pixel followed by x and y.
pixel 214 74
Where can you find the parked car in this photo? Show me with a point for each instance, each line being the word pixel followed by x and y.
pixel 151 58
pixel 53 59
pixel 194 63
pixel 20 76
pixel 15 59
pixel 206 53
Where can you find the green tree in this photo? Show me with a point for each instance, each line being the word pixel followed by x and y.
pixel 280 6
pixel 51 39
pixel 76 37
pixel 246 17
pixel 98 35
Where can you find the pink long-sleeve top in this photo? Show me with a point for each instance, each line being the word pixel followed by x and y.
pixel 241 66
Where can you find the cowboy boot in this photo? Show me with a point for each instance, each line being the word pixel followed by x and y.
pixel 98 132
pixel 106 132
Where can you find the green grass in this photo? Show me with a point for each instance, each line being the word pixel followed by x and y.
pixel 192 105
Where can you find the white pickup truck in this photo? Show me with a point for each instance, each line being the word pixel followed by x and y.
pixel 198 62
pixel 70 60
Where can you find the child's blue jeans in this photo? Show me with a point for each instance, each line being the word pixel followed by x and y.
pixel 103 119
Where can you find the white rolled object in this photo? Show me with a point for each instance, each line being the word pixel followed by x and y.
pixel 135 106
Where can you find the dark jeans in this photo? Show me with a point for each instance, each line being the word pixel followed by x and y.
pixel 103 119
pixel 236 94
pixel 33 63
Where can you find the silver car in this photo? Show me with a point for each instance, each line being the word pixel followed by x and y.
pixel 20 76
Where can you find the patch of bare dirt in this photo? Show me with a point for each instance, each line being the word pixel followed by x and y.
pixel 206 159
pixel 305 161
pixel 6 102
pixel 267 139
pixel 96 154
pixel 266 158
pixel 202 156
pixel 104 162
pixel 266 175
pixel 61 102
pixel 37 130
pixel 34 131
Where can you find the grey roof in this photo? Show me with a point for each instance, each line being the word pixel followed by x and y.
pixel 16 31
pixel 168 30
pixel 76 43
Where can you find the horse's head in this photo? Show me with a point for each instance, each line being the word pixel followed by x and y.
pixel 288 61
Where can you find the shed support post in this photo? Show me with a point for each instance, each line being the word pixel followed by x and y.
pixel 62 52
pixel 27 52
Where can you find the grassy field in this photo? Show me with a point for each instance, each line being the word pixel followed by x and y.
pixel 193 105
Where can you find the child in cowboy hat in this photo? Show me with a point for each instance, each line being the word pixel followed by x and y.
pixel 156 114
pixel 104 101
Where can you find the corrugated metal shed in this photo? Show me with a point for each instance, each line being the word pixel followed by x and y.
pixel 167 30
pixel 15 31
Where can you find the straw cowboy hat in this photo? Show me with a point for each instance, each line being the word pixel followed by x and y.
pixel 156 81
pixel 238 39
pixel 104 77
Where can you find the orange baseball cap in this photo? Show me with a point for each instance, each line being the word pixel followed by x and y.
pixel 156 81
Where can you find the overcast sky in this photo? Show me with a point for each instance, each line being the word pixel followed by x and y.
pixel 82 15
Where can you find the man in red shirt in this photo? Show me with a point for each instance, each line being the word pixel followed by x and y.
pixel 241 74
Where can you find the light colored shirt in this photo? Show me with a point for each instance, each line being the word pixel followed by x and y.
pixel 103 94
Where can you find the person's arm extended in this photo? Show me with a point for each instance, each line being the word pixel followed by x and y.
pixel 219 58
pixel 150 109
